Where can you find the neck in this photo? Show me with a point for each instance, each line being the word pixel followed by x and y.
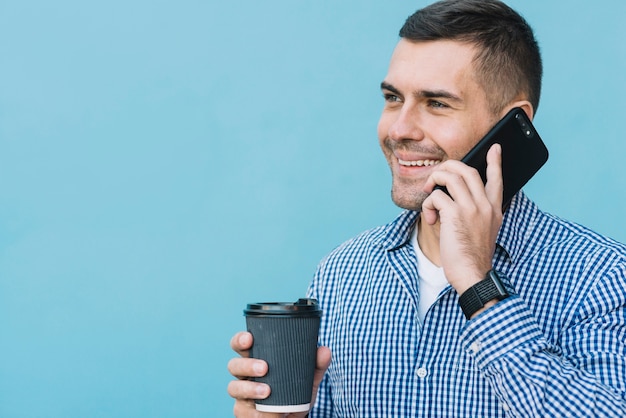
pixel 428 240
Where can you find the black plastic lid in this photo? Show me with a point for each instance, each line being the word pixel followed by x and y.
pixel 303 308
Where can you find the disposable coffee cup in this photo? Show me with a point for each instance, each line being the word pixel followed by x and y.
pixel 285 336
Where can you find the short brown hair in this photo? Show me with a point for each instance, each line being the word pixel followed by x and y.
pixel 508 61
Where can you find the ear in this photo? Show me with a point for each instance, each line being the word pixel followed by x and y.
pixel 525 105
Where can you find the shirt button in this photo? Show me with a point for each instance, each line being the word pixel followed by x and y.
pixel 422 372
pixel 505 407
pixel 475 347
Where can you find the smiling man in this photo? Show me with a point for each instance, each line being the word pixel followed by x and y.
pixel 547 336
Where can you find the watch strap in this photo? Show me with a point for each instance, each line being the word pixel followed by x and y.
pixel 482 292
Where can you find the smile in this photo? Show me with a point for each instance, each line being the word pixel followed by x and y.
pixel 418 163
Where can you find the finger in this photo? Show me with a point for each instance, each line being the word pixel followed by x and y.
pixel 243 368
pixel 245 408
pixel 454 176
pixel 247 389
pixel 435 178
pixel 455 183
pixel 471 185
pixel 462 181
pixel 241 343
pixel 495 184
pixel 432 204
pixel 322 363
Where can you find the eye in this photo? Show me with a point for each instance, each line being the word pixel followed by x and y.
pixel 437 104
pixel 392 98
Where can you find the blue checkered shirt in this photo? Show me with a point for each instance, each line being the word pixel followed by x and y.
pixel 556 348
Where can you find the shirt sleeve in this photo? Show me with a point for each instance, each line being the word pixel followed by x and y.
pixel 583 373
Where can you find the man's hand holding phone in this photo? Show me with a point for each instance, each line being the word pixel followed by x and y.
pixel 466 220
pixel 468 197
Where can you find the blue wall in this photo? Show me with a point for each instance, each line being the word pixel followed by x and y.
pixel 164 163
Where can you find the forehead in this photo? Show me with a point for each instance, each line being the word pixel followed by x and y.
pixel 441 64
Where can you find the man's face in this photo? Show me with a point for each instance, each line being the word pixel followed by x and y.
pixel 434 110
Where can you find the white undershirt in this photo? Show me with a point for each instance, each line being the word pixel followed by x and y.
pixel 431 279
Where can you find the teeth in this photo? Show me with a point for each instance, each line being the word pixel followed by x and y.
pixel 419 163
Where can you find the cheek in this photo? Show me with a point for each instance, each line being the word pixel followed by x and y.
pixel 454 139
pixel 446 135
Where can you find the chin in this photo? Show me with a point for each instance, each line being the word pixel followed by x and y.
pixel 410 201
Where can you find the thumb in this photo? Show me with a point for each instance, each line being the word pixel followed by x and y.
pixel 321 365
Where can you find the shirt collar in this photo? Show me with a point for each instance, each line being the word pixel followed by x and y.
pixel 516 224
pixel 397 233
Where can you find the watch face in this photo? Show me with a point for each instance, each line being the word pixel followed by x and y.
pixel 495 277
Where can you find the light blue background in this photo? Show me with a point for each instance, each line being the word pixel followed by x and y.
pixel 163 163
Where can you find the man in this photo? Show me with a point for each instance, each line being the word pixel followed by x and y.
pixel 547 333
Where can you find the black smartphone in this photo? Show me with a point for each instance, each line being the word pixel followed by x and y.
pixel 523 152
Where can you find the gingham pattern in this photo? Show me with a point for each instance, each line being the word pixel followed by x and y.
pixel 556 348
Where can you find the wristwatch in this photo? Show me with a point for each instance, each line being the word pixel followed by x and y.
pixel 475 297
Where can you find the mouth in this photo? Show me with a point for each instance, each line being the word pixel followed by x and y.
pixel 418 163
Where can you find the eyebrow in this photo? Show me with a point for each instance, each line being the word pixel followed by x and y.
pixel 386 86
pixel 427 94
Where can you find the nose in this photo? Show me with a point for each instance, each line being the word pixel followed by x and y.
pixel 405 126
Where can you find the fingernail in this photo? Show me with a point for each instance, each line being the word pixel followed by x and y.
pixel 259 368
pixel 262 390
pixel 245 340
